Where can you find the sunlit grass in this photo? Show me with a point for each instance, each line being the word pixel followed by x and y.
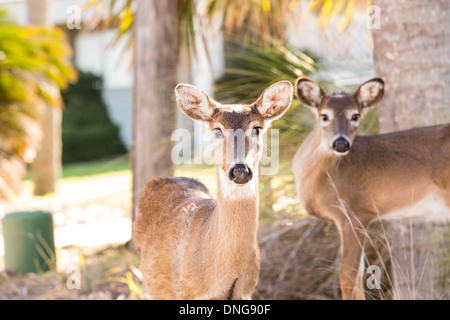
pixel 89 169
pixel 116 165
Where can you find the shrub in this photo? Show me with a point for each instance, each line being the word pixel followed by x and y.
pixel 88 133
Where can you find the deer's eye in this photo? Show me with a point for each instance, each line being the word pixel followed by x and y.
pixel 255 131
pixel 355 117
pixel 324 117
pixel 217 133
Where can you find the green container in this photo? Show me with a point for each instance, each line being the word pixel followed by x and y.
pixel 29 241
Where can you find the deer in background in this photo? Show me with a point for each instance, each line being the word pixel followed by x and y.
pixel 351 179
pixel 195 247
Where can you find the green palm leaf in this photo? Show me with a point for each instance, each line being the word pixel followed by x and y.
pixel 29 57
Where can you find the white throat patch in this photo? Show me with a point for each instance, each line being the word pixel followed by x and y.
pixel 232 191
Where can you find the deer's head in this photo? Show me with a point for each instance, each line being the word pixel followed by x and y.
pixel 236 129
pixel 338 114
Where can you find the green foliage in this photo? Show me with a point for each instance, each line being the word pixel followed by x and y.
pixel 256 66
pixel 31 58
pixel 27 55
pixel 87 132
pixel 101 167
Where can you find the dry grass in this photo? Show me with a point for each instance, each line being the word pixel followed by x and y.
pixel 108 274
pixel 298 260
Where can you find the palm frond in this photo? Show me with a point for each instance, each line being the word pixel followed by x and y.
pixel 258 65
pixel 261 17
pixel 329 11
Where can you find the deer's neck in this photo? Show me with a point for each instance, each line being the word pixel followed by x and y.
pixel 314 163
pixel 235 220
pixel 317 156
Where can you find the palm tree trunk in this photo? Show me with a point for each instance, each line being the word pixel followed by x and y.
pixel 46 167
pixel 411 52
pixel 156 60
pixel 39 12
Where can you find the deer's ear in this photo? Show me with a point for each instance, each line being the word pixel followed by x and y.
pixel 370 92
pixel 194 102
pixel 309 92
pixel 275 100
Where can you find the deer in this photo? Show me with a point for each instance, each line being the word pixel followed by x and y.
pixel 191 245
pixel 351 179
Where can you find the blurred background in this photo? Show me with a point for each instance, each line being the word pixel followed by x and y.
pixel 87 113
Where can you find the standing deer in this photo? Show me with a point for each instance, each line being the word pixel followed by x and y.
pixel 195 247
pixel 351 179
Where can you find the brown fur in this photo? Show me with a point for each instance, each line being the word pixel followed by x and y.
pixel 381 173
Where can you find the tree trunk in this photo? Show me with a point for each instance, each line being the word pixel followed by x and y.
pixel 46 167
pixel 424 272
pixel 156 59
pixel 39 12
pixel 412 55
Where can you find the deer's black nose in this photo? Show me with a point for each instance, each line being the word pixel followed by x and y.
pixel 341 145
pixel 240 174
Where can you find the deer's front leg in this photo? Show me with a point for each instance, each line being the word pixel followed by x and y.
pixel 352 234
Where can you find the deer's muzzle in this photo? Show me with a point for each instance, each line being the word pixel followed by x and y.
pixel 341 145
pixel 240 174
